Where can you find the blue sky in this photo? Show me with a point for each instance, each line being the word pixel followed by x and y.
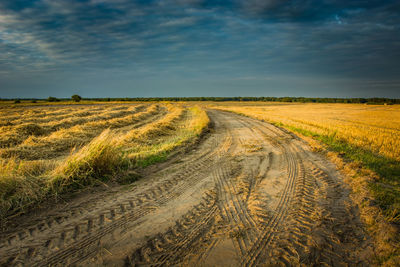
pixel 118 48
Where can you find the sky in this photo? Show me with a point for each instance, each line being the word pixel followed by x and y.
pixel 121 48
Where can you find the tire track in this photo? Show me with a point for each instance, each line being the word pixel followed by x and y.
pixel 180 240
pixel 234 210
pixel 143 204
pixel 302 217
pixel 294 170
pixel 314 235
pixel 97 227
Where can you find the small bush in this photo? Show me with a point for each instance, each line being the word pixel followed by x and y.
pixel 17 101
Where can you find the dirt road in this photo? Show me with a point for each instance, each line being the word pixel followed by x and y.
pixel 249 194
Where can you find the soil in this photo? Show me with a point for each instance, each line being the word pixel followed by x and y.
pixel 250 194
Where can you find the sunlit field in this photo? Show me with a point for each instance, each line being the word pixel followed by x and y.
pixel 48 150
pixel 374 128
pixel 363 138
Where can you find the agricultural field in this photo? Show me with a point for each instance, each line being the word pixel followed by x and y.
pixel 374 128
pixel 199 184
pixel 45 151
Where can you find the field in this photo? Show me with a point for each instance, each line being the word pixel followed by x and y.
pixel 199 184
pixel 374 128
pixel 49 150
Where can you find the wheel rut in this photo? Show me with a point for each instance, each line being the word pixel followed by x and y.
pixel 250 194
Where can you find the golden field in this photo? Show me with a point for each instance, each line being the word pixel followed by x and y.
pixel 375 128
pixel 47 150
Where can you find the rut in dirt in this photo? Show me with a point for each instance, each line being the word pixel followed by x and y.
pixel 249 194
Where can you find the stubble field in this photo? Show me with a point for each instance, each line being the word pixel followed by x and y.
pixel 45 151
pixel 199 184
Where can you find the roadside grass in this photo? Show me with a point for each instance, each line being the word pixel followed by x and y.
pixel 158 150
pixel 380 202
pixel 385 188
pixel 375 181
pixel 111 156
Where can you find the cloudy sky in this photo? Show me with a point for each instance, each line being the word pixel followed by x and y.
pixel 118 48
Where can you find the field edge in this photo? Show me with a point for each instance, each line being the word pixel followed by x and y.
pixel 360 178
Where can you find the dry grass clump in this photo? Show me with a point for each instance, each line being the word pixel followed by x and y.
pixel 30 129
pixel 16 134
pixel 44 166
pixel 99 160
pixel 22 184
pixel 20 192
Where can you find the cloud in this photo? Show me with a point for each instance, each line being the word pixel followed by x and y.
pixel 186 21
pixel 201 38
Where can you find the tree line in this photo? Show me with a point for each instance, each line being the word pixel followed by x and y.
pixel 77 98
pixel 374 100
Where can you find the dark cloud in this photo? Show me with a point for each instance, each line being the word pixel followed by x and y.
pixel 181 42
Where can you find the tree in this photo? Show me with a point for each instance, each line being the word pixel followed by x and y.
pixel 76 98
pixel 52 99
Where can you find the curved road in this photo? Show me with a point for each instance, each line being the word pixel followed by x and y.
pixel 250 194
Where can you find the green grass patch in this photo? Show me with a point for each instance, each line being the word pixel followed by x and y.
pixel 152 159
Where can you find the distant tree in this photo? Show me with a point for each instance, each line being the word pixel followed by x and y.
pixel 52 99
pixel 286 99
pixel 76 98
pixel 17 101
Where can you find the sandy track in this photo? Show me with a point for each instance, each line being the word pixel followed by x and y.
pixel 250 194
